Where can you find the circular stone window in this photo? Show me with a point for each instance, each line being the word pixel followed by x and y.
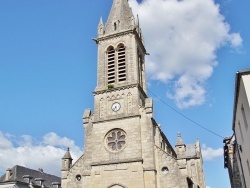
pixel 164 170
pixel 115 140
pixel 78 177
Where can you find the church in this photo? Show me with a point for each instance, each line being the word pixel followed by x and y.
pixel 124 147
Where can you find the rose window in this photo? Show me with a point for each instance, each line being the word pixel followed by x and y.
pixel 116 140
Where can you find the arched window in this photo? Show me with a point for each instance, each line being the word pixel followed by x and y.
pixel 111 65
pixel 116 64
pixel 121 63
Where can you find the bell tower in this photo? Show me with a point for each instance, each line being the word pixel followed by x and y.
pixel 120 49
pixel 121 65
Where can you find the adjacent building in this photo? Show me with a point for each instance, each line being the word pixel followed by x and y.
pixel 22 177
pixel 124 147
pixel 236 149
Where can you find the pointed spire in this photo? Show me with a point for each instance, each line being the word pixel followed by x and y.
pixel 67 155
pixel 197 146
pixel 120 17
pixel 100 22
pixel 137 22
pixel 179 140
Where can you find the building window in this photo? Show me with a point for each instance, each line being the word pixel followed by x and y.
pixel 241 134
pixel 244 116
pixel 163 146
pixel 116 64
pixel 111 65
pixel 115 140
pixel 165 170
pixel 78 177
pixel 121 64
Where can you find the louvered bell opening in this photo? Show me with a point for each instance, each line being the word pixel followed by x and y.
pixel 111 66
pixel 121 64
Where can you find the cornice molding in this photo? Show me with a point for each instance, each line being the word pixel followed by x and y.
pixel 116 118
pixel 119 88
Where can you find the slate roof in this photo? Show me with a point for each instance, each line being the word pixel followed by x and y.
pixel 191 151
pixel 67 155
pixel 17 173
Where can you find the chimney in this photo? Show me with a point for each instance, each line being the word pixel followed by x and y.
pixel 27 179
pixel 8 174
pixel 56 185
pixel 40 170
pixel 40 181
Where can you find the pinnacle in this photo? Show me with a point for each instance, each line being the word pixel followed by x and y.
pixel 179 140
pixel 67 154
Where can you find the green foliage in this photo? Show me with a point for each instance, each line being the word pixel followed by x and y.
pixel 110 86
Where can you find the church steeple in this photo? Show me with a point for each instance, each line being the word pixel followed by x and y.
pixel 120 18
pixel 121 52
pixel 121 137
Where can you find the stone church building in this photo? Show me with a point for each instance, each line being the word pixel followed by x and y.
pixel 124 147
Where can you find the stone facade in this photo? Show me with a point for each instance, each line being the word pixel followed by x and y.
pixel 124 147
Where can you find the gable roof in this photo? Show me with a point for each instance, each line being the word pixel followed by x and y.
pixel 17 173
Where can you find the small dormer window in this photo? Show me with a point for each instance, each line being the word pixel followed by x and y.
pixel 244 116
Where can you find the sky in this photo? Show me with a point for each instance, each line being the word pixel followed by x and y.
pixel 48 73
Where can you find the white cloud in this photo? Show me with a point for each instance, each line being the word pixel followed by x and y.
pixel 53 139
pixel 182 38
pixel 209 154
pixel 46 153
pixel 4 142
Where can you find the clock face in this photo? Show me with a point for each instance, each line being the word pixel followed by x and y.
pixel 116 106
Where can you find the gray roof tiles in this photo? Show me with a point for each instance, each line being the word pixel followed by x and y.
pixel 17 173
pixel 190 151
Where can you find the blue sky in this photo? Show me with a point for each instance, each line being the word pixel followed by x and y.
pixel 48 73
